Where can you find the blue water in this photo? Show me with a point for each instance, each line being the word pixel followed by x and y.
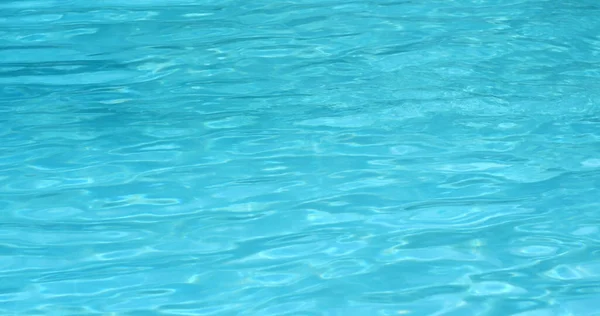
pixel 299 157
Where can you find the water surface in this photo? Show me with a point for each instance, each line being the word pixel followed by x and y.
pixel 187 157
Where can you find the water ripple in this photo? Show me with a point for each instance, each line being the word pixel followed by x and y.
pixel 379 157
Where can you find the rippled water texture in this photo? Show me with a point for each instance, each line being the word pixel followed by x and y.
pixel 299 157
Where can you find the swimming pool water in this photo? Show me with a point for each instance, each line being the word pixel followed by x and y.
pixel 299 157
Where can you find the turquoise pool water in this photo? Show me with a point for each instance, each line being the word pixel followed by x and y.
pixel 299 157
